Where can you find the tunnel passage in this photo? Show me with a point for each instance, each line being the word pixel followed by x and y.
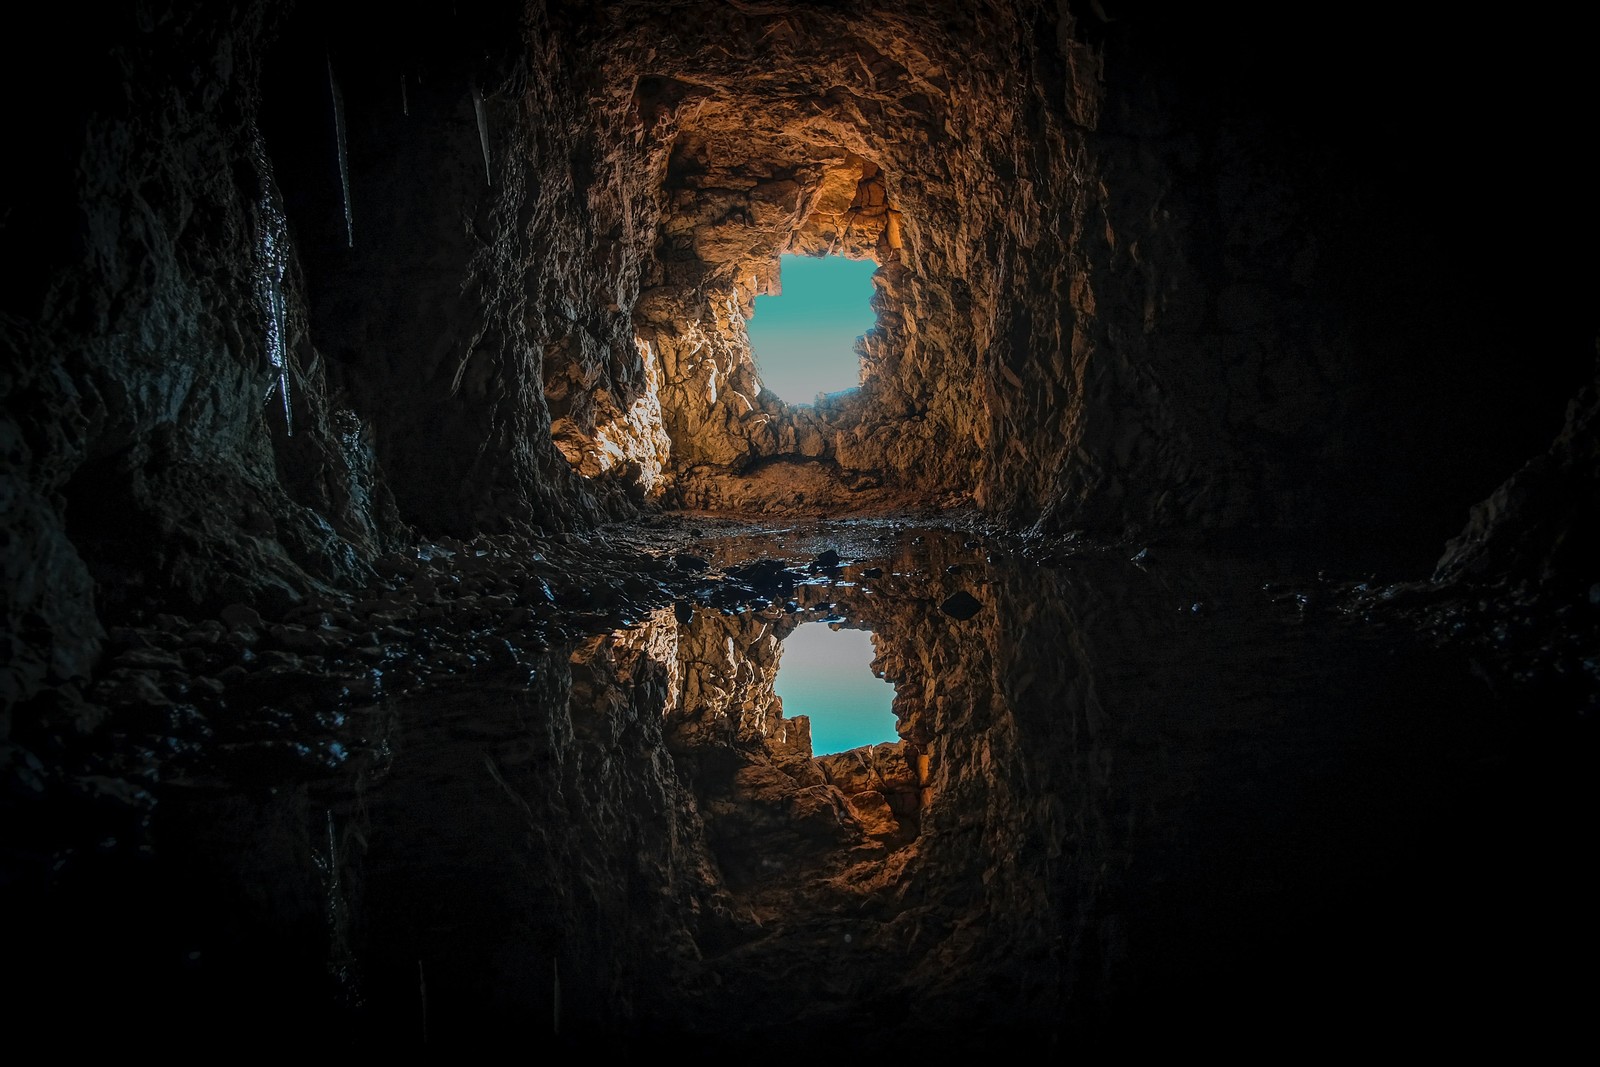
pixel 812 137
pixel 705 431
pixel 1073 332
pixel 736 442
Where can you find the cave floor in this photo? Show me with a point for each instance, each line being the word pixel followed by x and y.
pixel 542 791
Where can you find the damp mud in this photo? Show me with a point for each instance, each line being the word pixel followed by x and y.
pixel 552 797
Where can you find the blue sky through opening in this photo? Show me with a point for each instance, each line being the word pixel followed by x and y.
pixel 804 338
pixel 826 674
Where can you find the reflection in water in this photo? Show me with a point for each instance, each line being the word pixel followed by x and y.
pixel 1125 791
pixel 826 675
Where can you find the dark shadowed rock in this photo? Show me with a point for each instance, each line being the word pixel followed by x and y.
pixel 764 575
pixel 962 605
pixel 826 560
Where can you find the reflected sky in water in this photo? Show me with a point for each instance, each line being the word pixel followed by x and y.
pixel 827 674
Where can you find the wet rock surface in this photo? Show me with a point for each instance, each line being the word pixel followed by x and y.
pixel 553 778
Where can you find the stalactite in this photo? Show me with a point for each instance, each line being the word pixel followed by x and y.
pixel 483 131
pixel 342 144
pixel 271 263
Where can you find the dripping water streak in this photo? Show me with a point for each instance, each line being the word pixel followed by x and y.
pixel 405 103
pixel 342 144
pixel 483 131
pixel 281 355
pixel 271 263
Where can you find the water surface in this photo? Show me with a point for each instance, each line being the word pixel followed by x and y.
pixel 1169 792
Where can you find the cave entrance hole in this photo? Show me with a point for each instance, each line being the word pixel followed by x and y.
pixel 804 338
pixel 825 673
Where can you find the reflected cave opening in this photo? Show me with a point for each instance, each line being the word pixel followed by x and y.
pixel 805 337
pixel 825 675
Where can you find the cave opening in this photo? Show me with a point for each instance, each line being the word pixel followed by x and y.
pixel 805 335
pixel 780 261
pixel 825 674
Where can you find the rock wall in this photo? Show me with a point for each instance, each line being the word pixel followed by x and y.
pixel 157 322
pixel 290 280
pixel 291 286
pixel 470 304
pixel 1533 529
pixel 1135 273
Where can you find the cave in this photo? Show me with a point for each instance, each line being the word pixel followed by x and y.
pixel 400 542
